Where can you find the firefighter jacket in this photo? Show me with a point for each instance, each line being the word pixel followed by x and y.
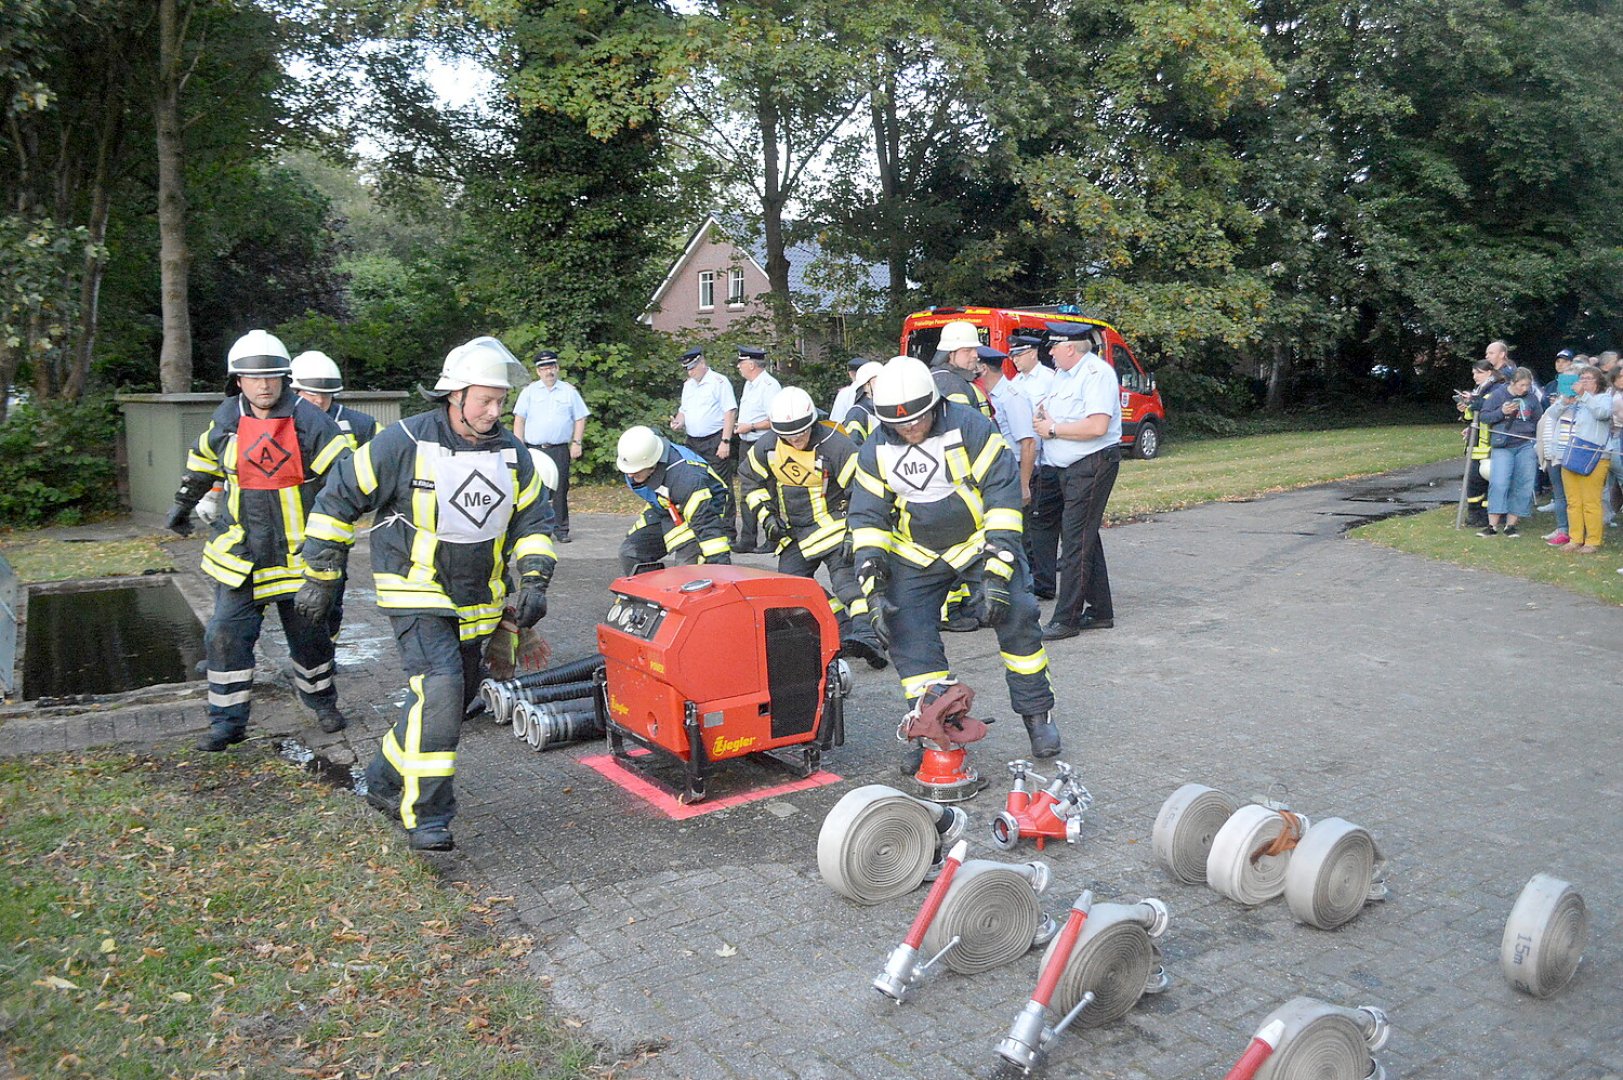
pixel 685 499
pixel 954 387
pixel 860 420
pixel 449 515
pixel 806 490
pixel 272 468
pixel 1482 447
pixel 359 426
pixel 946 498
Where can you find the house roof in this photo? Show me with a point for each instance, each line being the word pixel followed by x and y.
pixel 807 263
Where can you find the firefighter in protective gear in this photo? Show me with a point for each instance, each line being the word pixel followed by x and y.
pixel 1479 448
pixel 860 421
pixel 937 492
pixel 271 450
pixel 957 365
pixel 686 500
pixel 796 482
pixel 317 379
pixel 456 496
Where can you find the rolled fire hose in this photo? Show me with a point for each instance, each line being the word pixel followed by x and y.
pixel 878 843
pixel 1185 827
pixel 992 909
pixel 1230 869
pixel 556 724
pixel 1544 936
pixel 1114 959
pixel 1325 1042
pixel 1333 872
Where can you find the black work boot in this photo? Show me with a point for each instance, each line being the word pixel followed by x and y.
pixel 1044 735
pixel 432 838
pixel 867 649
pixel 330 719
pixel 215 739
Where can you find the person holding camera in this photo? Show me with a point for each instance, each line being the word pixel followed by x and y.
pixel 1511 411
pixel 1478 440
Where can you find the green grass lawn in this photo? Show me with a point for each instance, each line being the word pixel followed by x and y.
pixel 38 559
pixel 216 916
pixel 1210 470
pixel 1433 535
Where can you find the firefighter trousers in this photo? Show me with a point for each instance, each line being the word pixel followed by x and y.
pixel 232 633
pixel 916 595
pixel 850 607
pixel 413 768
pixel 646 544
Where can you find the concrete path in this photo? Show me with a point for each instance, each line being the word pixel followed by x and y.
pixel 1470 721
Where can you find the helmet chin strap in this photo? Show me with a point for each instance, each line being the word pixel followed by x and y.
pixel 459 403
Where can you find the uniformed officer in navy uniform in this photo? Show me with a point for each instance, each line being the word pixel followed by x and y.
pixel 551 417
pixel 708 414
pixel 1080 425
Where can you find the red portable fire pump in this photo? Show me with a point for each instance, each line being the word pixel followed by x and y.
pixel 707 663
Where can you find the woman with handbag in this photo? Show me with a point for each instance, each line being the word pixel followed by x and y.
pixel 1584 469
pixel 1511 412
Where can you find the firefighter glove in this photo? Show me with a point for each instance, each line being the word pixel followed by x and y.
pixel 179 520
pixel 873 573
pixel 531 605
pixel 997 600
pixel 772 529
pixel 315 598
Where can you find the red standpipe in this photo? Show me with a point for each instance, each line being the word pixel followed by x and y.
pixel 1049 979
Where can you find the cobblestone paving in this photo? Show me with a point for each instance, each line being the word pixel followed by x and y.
pixel 1470 722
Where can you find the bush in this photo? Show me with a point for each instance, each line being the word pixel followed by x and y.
pixel 58 462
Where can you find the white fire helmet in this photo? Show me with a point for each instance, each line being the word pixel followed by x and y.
pixel 317 373
pixel 484 361
pixel 959 334
pixel 792 411
pixel 259 355
pixel 905 390
pixel 640 448
pixel 546 467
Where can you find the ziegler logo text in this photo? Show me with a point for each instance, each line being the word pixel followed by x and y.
pixel 725 745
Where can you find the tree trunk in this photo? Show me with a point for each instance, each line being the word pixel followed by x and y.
pixel 175 361
pixel 773 200
pixel 95 255
pixel 887 156
pixel 1278 370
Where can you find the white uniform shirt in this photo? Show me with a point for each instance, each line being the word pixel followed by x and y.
pixel 1013 415
pixel 754 403
pixel 843 400
pixel 706 403
pixel 550 412
pixel 1086 390
pixel 1035 384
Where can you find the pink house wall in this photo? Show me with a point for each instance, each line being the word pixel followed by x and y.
pixel 678 302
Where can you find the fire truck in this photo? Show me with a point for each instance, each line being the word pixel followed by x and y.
pixel 1143 414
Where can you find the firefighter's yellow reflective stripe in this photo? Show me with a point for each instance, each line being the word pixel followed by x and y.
pixel 201 458
pixel 869 537
pixel 322 575
pixel 835 606
pixel 914 685
pixel 716 545
pixel 534 544
pixel 292 517
pixel 366 478
pixel 410 761
pixel 219 550
pixel 475 621
pixel 424 515
pixel 327 527
pixel 329 453
pixel 872 484
pixel 988 454
pixel 999 568
pixel 274 590
pixel 961 555
pixel 822 540
pixel 859 606
pixel 1004 519
pixel 847 471
pixel 532 490
pixel 757 498
pixel 958 463
pixel 1033 664
pixel 690 509
pixel 396 591
pixel 676 537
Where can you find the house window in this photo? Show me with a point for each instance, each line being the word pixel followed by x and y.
pixel 735 288
pixel 707 289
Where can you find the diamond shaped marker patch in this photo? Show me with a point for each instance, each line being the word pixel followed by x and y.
pixel 915 468
pixel 477 498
